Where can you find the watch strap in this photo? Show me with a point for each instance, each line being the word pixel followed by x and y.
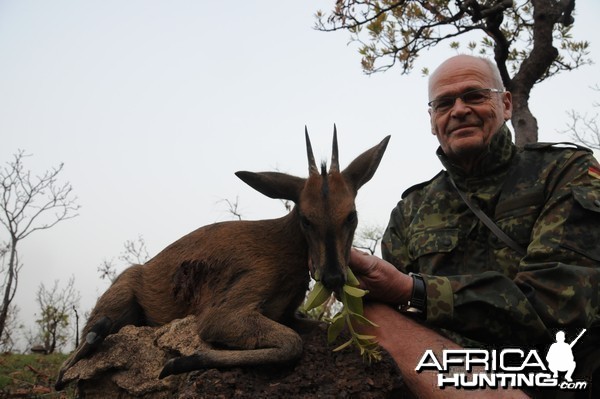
pixel 417 304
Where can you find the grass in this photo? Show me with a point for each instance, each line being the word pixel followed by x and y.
pixel 31 376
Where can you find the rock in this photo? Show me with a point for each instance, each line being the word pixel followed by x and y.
pixel 39 349
pixel 128 363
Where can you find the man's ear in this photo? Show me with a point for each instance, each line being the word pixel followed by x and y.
pixel 431 122
pixel 274 184
pixel 507 103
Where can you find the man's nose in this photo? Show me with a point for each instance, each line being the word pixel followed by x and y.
pixel 460 108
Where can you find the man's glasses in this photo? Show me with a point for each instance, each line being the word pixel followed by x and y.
pixel 472 97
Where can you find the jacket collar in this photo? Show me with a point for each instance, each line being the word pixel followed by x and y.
pixel 497 157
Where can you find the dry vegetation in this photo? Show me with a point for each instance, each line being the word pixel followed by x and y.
pixel 31 376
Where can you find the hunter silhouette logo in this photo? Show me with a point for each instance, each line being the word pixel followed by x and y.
pixel 560 356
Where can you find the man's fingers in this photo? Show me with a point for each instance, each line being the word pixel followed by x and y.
pixel 362 262
pixel 354 249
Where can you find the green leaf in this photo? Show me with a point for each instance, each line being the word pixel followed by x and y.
pixel 344 345
pixel 317 296
pixel 351 278
pixel 355 292
pixel 365 337
pixel 354 304
pixel 362 319
pixel 335 328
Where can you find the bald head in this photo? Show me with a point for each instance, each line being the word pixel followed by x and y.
pixel 459 61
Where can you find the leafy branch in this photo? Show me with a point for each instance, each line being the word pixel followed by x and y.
pixel 351 314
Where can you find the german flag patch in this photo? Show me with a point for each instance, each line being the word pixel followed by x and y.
pixel 594 171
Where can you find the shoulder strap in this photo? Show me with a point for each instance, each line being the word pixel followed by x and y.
pixel 488 222
pixel 558 145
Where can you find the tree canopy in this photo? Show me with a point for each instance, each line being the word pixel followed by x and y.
pixel 530 40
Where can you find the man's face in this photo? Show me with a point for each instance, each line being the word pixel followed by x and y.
pixel 465 130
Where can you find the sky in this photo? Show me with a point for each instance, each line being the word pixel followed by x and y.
pixel 153 105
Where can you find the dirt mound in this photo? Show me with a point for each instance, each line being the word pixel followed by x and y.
pixel 128 363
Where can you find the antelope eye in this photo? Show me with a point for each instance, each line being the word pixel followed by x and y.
pixel 304 221
pixel 351 218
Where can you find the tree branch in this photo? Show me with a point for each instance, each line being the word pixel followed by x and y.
pixel 29 204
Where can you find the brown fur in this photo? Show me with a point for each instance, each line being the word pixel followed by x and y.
pixel 243 280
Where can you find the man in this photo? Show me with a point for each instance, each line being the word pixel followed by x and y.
pixel 469 287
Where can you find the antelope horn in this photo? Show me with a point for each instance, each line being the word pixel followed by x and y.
pixel 312 165
pixel 335 163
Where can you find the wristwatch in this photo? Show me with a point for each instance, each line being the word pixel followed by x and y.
pixel 417 304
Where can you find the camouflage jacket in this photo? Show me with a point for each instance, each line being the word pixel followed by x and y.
pixel 545 198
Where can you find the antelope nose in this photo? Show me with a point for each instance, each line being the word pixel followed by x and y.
pixel 334 281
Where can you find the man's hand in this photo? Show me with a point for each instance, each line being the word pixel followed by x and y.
pixel 384 282
pixel 406 340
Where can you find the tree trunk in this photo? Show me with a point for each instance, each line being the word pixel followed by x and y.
pixel 76 327
pixel 533 68
pixel 9 289
pixel 52 332
pixel 523 121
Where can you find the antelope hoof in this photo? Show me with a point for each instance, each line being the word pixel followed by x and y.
pixel 92 338
pixel 168 369
pixel 60 384
pixel 181 365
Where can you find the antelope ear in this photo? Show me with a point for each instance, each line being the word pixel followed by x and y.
pixel 362 169
pixel 274 184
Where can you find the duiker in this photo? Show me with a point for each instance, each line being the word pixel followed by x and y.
pixel 244 280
